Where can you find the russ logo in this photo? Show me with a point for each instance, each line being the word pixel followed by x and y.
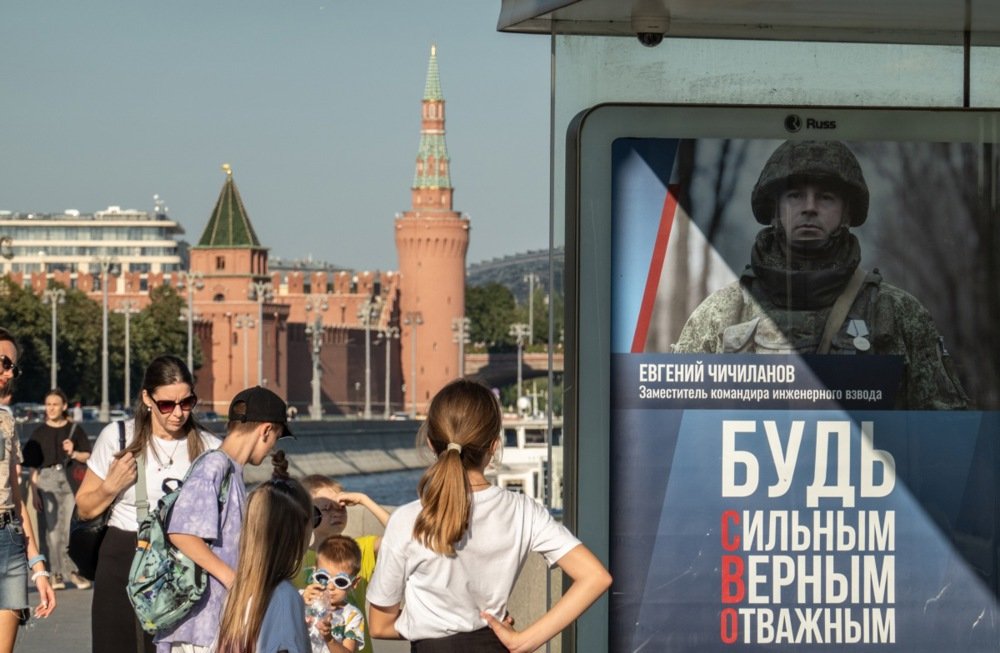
pixel 793 123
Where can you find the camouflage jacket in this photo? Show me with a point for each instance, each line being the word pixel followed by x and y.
pixel 882 320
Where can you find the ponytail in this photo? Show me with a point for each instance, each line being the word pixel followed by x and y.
pixel 462 427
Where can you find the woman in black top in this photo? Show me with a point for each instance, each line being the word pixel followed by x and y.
pixel 50 449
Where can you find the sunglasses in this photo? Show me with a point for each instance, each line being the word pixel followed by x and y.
pixel 9 366
pixel 167 406
pixel 317 517
pixel 323 578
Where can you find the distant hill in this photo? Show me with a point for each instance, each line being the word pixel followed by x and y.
pixel 510 271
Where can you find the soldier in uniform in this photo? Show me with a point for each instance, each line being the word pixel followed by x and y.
pixel 805 291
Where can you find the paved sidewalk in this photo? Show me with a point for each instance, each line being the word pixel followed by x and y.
pixel 68 629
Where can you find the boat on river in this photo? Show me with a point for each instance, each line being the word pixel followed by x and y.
pixel 524 463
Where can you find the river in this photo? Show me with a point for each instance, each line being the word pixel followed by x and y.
pixel 385 488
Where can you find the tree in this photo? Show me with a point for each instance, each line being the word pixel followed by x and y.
pixel 158 330
pixel 491 310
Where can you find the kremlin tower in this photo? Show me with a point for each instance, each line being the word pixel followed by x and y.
pixel 431 241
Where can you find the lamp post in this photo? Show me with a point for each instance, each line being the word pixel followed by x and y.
pixel 261 291
pixel 388 334
pixel 128 308
pixel 519 330
pixel 531 278
pixel 316 331
pixel 191 281
pixel 105 262
pixel 413 319
pixel 244 322
pixel 460 325
pixel 54 296
pixel 366 314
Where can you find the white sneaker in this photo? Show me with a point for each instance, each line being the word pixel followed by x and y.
pixel 80 582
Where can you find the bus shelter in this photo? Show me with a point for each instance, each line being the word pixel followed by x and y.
pixel 843 489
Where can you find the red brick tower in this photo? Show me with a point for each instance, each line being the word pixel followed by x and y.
pixel 431 240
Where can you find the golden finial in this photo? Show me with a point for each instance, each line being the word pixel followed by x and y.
pixel 228 169
pixel 434 48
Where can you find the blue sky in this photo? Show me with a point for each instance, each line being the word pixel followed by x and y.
pixel 314 103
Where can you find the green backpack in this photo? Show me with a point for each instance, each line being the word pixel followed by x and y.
pixel 163 583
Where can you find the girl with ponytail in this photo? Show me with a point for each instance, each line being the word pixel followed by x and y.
pixel 264 612
pixel 449 561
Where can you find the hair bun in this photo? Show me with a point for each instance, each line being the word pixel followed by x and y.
pixel 279 461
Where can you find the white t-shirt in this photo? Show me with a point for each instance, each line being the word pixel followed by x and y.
pixel 123 513
pixel 443 595
pixel 284 624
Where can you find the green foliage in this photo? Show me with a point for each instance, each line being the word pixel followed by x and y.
pixel 491 310
pixel 155 330
pixel 158 330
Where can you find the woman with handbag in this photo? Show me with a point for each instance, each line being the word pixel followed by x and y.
pixel 18 547
pixel 54 445
pixel 164 437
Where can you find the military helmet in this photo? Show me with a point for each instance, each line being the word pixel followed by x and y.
pixel 824 161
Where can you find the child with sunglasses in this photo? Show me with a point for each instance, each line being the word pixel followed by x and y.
pixel 165 438
pixel 336 625
pixel 330 503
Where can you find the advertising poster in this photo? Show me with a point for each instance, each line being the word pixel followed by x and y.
pixel 805 391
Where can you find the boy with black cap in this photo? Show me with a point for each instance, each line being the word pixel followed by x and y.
pixel 205 521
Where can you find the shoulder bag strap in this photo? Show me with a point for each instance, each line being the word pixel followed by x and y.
pixel 141 498
pixel 840 309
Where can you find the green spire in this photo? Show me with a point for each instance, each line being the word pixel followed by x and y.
pixel 430 172
pixel 229 225
pixel 432 89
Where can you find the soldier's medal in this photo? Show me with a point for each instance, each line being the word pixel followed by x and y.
pixel 859 330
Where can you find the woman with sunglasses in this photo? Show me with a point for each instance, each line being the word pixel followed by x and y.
pixel 166 438
pixel 18 547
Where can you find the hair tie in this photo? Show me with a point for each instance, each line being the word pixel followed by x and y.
pixel 454 446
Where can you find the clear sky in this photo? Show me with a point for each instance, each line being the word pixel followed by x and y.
pixel 314 103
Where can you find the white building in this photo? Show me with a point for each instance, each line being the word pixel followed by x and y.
pixel 70 241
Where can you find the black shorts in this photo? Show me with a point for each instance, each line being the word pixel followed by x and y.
pixel 483 640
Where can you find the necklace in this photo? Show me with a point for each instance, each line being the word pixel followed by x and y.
pixel 170 457
pixel 484 484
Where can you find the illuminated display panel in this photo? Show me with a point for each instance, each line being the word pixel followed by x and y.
pixel 782 429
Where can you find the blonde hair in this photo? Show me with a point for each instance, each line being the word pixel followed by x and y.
pixel 314 482
pixel 274 537
pixel 464 413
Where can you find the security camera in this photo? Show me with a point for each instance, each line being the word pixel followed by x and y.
pixel 649 23
pixel 650 39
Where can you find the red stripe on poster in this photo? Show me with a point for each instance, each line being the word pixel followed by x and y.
pixel 655 269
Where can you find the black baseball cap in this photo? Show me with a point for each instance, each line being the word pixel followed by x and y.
pixel 259 404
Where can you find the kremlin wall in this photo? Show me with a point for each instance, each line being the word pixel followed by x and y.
pixel 409 313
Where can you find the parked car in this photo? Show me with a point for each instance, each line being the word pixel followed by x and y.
pixel 118 415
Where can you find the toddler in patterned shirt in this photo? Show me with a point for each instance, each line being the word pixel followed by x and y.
pixel 335 625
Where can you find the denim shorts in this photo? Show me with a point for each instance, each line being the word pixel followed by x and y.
pixel 13 568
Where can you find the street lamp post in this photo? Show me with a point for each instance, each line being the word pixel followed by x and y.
pixel 128 308
pixel 244 322
pixel 519 330
pixel 54 296
pixel 460 325
pixel 105 262
pixel 413 319
pixel 366 314
pixel 192 281
pixel 315 330
pixel 388 334
pixel 261 291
